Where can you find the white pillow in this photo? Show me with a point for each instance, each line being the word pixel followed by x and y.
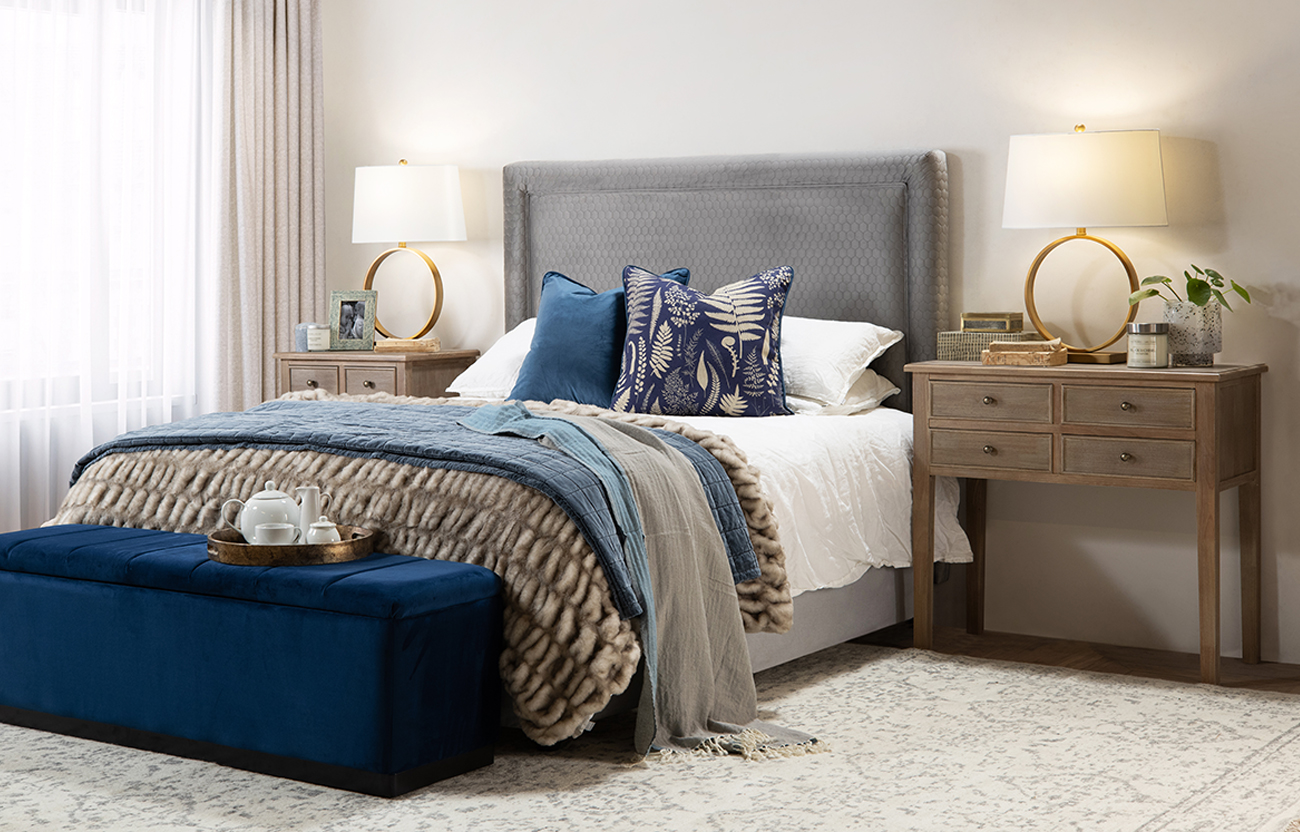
pixel 493 376
pixel 866 393
pixel 822 359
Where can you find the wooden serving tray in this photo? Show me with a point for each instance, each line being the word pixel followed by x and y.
pixel 228 546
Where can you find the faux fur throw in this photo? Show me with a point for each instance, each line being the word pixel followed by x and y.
pixel 566 653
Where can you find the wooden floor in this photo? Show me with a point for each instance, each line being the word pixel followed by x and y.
pixel 1081 655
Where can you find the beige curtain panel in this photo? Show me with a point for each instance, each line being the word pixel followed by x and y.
pixel 271 213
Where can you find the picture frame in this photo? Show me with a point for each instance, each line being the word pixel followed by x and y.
pixel 352 319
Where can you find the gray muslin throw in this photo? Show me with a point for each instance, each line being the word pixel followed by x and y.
pixel 704 690
pixel 568 436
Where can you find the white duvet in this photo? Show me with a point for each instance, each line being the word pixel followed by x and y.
pixel 841 490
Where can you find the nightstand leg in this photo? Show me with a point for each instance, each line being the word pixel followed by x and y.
pixel 922 559
pixel 1248 503
pixel 1207 557
pixel 976 504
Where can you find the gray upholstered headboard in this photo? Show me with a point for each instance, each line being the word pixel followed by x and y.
pixel 867 236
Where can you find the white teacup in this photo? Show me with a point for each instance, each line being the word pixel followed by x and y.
pixel 276 534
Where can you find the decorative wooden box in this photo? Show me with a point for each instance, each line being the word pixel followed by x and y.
pixel 992 321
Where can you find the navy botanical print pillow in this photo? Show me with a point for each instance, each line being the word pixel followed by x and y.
pixel 692 354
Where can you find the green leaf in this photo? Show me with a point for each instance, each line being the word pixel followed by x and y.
pixel 1241 290
pixel 1198 291
pixel 1222 299
pixel 1141 295
pixel 1155 278
pixel 1197 269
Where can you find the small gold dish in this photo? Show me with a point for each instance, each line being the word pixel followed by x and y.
pixel 228 546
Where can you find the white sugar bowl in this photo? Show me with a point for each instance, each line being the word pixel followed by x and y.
pixel 268 506
pixel 322 531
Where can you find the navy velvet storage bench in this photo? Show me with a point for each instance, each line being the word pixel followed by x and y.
pixel 378 675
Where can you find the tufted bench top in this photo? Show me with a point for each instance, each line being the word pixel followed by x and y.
pixel 379 586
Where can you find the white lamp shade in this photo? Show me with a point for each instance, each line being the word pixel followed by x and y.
pixel 1109 178
pixel 407 203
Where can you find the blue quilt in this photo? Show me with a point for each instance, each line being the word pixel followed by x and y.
pixel 430 437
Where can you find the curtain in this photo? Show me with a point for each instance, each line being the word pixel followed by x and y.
pixel 161 219
pixel 272 204
pixel 103 183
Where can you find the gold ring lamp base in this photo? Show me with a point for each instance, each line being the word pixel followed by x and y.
pixel 437 290
pixel 1077 355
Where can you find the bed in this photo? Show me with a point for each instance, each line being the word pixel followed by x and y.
pixel 865 237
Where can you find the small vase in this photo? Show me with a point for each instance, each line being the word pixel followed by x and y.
pixel 1195 332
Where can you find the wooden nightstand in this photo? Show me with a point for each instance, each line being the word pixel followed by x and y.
pixel 1188 428
pixel 359 373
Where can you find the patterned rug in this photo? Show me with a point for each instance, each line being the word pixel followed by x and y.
pixel 920 742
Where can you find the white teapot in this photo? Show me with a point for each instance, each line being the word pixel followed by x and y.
pixel 269 506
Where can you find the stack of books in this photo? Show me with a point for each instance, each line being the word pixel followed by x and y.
pixel 1025 353
pixel 978 330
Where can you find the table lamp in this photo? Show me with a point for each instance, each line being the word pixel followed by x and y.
pixel 1109 178
pixel 400 203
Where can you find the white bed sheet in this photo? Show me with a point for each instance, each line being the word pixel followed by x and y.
pixel 841 491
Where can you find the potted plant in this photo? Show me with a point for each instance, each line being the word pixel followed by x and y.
pixel 1195 323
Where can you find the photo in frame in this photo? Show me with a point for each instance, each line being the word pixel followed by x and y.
pixel 352 319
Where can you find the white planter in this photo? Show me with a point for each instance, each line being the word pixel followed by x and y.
pixel 1195 332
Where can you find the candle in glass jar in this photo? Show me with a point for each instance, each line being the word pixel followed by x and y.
pixel 1148 345
pixel 318 337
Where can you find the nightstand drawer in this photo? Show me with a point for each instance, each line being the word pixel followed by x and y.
pixel 316 377
pixel 361 373
pixel 991 449
pixel 359 381
pixel 1138 407
pixel 992 401
pixel 1164 459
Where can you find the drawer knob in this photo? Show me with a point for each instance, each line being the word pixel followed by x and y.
pixel 368 384
pixel 990 450
pixel 1126 457
pixel 1126 405
pixel 990 400
pixel 313 383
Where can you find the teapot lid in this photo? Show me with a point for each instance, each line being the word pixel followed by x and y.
pixel 323 521
pixel 270 493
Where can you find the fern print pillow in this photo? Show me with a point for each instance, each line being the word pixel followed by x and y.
pixel 692 354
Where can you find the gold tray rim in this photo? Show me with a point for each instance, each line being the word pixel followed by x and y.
pixel 356 544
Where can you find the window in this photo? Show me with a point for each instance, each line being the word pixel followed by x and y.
pixel 104 245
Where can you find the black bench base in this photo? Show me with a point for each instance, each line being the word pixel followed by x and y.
pixel 308 771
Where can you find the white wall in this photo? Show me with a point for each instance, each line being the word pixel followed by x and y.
pixel 481 84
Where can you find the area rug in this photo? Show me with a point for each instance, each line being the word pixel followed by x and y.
pixel 919 741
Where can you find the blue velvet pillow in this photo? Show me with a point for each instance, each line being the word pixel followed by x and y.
pixel 692 354
pixel 577 343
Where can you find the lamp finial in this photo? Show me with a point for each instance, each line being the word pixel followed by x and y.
pixel 1078 128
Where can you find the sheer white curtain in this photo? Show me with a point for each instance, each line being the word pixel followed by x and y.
pixel 105 172
pixel 161 219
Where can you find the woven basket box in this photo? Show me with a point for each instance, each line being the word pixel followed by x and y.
pixel 967 346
